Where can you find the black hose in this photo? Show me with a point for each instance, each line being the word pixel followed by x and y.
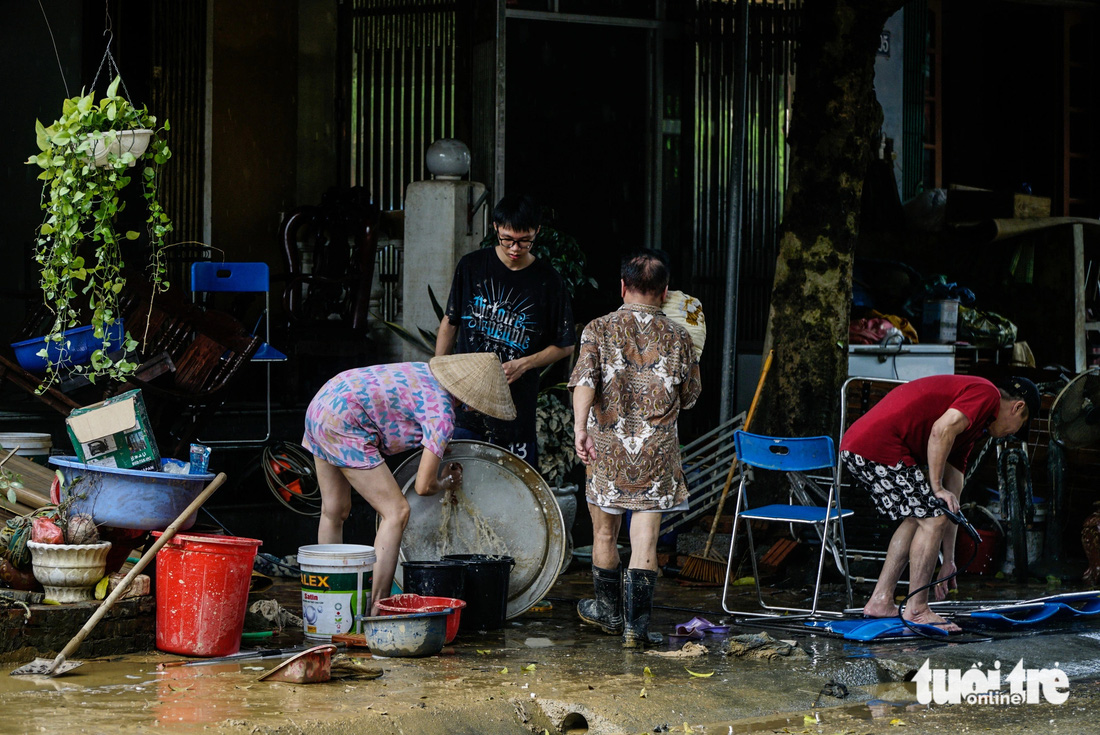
pixel 271 558
pixel 287 461
pixel 961 521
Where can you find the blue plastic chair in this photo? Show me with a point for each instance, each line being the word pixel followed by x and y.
pixel 795 457
pixel 242 278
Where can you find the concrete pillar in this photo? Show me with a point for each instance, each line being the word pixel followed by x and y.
pixel 438 232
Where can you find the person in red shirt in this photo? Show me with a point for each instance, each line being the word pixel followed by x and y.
pixel 911 448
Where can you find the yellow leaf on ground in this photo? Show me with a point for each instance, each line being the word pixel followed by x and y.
pixel 647 672
pixel 529 667
pixel 642 694
pixel 701 676
pixel 504 670
pixel 897 722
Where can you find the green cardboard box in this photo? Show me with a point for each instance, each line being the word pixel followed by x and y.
pixel 114 433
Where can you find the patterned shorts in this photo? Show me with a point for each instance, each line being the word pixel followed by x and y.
pixel 900 491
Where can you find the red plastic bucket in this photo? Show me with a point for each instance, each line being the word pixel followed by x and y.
pixel 410 603
pixel 985 561
pixel 202 593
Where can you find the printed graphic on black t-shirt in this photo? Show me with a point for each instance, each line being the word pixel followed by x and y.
pixel 499 319
pixel 513 314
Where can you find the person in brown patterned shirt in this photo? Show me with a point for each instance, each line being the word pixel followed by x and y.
pixel 636 369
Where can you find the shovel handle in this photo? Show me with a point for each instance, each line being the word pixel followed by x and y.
pixel 733 464
pixel 143 562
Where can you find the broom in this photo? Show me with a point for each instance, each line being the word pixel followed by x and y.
pixel 711 567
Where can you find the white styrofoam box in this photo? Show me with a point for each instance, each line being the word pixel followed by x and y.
pixel 900 362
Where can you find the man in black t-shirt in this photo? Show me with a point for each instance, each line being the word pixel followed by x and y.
pixel 505 300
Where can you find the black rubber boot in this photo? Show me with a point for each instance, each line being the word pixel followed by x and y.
pixel 606 611
pixel 637 606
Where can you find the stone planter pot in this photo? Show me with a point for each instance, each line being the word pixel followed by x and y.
pixel 69 572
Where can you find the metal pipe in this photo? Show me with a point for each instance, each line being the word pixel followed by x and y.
pixel 737 166
pixel 573 723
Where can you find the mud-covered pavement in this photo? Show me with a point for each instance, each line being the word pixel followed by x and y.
pixel 545 672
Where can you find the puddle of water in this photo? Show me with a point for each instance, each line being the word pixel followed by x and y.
pixel 549 643
pixel 887 702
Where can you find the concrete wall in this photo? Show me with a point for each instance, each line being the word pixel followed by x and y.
pixel 435 239
pixel 317 165
pixel 255 124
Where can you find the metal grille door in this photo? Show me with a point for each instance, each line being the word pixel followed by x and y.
pixel 403 78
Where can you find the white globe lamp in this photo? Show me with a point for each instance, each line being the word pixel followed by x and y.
pixel 448 159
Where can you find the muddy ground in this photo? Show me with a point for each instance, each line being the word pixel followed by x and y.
pixel 546 673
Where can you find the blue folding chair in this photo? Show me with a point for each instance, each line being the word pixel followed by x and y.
pixel 796 458
pixel 242 278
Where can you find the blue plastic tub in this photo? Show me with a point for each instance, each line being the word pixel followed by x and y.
pixel 138 499
pixel 82 343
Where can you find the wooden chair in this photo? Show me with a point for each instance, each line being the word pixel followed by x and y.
pixel 329 251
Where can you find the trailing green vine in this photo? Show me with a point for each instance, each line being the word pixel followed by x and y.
pixel 78 247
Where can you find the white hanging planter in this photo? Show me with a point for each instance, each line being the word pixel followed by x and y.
pixel 119 142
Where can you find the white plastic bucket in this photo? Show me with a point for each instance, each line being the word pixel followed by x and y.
pixel 336 586
pixel 35 447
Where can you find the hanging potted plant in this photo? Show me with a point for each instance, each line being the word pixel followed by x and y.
pixel 88 157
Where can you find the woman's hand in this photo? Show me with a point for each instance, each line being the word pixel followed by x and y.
pixel 452 476
pixel 449 481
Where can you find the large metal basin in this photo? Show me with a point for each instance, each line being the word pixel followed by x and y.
pixel 516 502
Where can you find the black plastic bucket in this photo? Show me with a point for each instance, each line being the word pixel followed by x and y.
pixel 486 579
pixel 434 578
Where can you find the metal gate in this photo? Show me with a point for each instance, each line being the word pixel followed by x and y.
pixel 402 91
pixel 178 94
pixel 772 31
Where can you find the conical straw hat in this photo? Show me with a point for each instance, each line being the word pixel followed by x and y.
pixel 478 380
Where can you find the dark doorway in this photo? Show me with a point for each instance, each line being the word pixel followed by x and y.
pixel 577 108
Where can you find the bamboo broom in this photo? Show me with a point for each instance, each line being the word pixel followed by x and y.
pixel 711 567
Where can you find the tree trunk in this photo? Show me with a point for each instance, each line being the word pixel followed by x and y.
pixel 836 118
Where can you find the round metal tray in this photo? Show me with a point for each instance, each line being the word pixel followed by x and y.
pixel 512 497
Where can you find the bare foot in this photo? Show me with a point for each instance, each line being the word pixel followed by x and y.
pixel 943 589
pixel 880 609
pixel 927 617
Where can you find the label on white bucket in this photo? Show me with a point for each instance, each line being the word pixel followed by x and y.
pixel 336 586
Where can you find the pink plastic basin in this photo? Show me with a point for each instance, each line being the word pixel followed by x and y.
pixel 409 603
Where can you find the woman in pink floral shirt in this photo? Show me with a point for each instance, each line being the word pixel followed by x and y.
pixel 361 415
